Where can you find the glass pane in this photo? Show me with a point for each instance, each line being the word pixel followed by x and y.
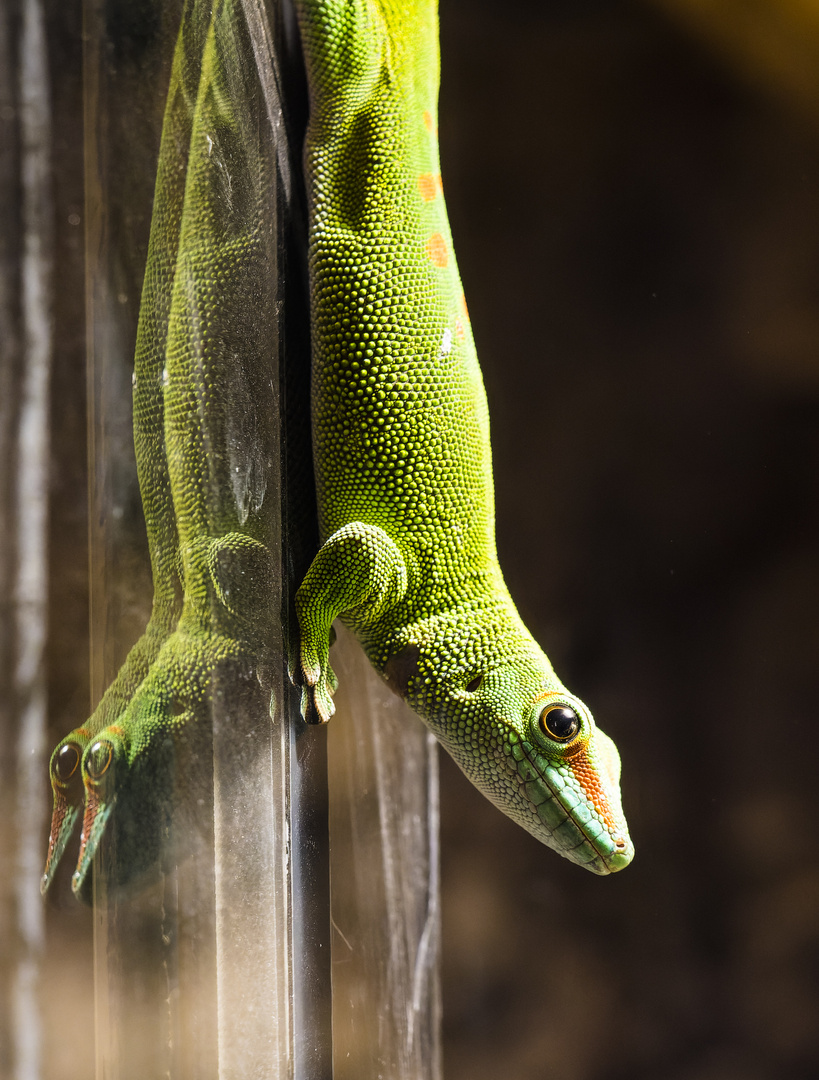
pixel 26 355
pixel 384 869
pixel 200 972
pixel 226 958
pixel 211 906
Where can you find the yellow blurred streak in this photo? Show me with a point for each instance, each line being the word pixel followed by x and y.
pixel 773 43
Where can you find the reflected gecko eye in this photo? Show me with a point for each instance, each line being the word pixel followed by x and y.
pixel 99 758
pixel 559 722
pixel 66 762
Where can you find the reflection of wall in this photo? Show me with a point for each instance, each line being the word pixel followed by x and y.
pixel 638 232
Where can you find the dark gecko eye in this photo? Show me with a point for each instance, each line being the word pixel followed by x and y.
pixel 66 762
pixel 99 758
pixel 474 684
pixel 559 722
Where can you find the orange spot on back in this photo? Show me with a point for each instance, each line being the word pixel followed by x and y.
pixel 462 306
pixel 428 186
pixel 429 123
pixel 459 329
pixel 436 249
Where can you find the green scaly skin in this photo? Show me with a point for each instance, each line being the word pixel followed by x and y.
pixel 203 402
pixel 401 453
pixel 149 440
pixel 401 447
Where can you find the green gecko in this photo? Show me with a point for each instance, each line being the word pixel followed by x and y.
pixel 203 408
pixel 400 444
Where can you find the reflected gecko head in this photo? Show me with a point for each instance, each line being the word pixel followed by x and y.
pixel 67 786
pixel 140 776
pixel 126 811
pixel 130 773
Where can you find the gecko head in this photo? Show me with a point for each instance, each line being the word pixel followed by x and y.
pixel 65 771
pixel 125 814
pixel 146 779
pixel 568 772
pixel 535 751
pixel 127 780
pixel 92 773
pixel 94 770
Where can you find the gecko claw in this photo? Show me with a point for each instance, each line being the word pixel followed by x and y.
pixel 316 704
pixel 309 668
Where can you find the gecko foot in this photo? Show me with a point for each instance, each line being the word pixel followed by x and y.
pixel 311 670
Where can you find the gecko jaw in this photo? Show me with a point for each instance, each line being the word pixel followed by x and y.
pixel 95 818
pixel 63 820
pixel 582 821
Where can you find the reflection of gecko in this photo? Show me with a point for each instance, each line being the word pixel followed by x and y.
pixel 400 436
pixel 203 409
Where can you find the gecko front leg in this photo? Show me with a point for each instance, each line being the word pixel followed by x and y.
pixel 359 572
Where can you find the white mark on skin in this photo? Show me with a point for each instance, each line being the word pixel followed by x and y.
pixel 133 378
pixel 166 379
pixel 210 144
pixel 446 342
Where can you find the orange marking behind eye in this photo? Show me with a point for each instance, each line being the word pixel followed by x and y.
pixel 436 249
pixel 589 780
pixel 429 185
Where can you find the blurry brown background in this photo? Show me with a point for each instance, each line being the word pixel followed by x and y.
pixel 634 195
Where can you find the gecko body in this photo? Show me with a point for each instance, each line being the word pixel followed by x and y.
pixel 401 446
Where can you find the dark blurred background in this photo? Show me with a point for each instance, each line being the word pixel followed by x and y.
pixel 634 195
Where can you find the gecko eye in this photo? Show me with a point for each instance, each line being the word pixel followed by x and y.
pixel 66 762
pixel 99 758
pixel 559 722
pixel 474 684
